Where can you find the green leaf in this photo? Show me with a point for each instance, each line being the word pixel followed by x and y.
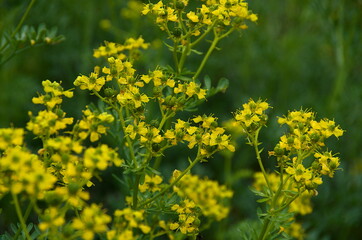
pixel 259 193
pixel 290 193
pixel 263 200
pixel 207 82
pixel 197 52
pixel 222 85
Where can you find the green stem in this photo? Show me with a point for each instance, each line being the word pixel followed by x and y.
pixel 257 152
pixel 197 159
pixel 26 215
pixel 164 119
pixel 206 57
pixel 175 57
pixel 265 230
pixel 341 66
pixel 185 52
pixel 288 203
pixel 267 223
pixel 208 30
pixel 23 18
pixel 20 23
pixel 210 50
pixel 135 191
pixel 281 186
pixel 20 216
pixel 129 142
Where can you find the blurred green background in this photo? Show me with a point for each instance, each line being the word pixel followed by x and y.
pixel 300 54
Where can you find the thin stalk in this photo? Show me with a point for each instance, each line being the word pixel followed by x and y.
pixel 210 50
pixel 257 152
pixel 20 23
pixel 23 18
pixel 135 191
pixel 265 230
pixel 341 66
pixel 20 216
pixel 281 185
pixel 206 57
pixel 129 142
pixel 175 57
pixel 185 52
pixel 164 119
pixel 288 203
pixel 26 215
pixel 267 223
pixel 197 159
pixel 208 30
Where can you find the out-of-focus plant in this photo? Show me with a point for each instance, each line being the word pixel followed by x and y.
pixel 23 37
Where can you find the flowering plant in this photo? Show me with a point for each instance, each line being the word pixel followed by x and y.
pixel 141 112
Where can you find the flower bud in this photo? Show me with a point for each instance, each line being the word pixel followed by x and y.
pixel 278 151
pixel 180 5
pixel 157 92
pixel 59 112
pixel 110 92
pixel 53 199
pixel 177 32
pixel 314 137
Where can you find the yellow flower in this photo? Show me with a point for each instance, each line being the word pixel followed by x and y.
pixel 10 136
pixel 192 16
pixel 299 173
pixel 151 184
pixel 93 82
pixel 100 158
pixel 206 194
pixel 253 17
pixel 91 124
pixel 47 122
pixel 92 220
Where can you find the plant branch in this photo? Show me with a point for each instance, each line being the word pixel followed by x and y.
pixel 163 191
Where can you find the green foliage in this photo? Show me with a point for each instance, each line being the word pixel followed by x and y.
pixel 16 232
pixel 12 44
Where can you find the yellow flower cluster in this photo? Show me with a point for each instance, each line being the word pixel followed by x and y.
pixel 188 221
pixel 100 158
pixel 111 49
pixel 91 221
pixel 129 90
pixel 50 121
pixel 92 124
pixel 53 94
pixel 306 137
pixel 206 194
pixel 252 116
pixel 207 135
pixel 326 164
pixel 47 123
pixel 133 9
pixel 21 171
pixel 232 13
pixel 51 220
pixel 92 83
pixel 151 184
pixel 306 133
pixel 301 205
pixel 11 137
pixel 126 225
